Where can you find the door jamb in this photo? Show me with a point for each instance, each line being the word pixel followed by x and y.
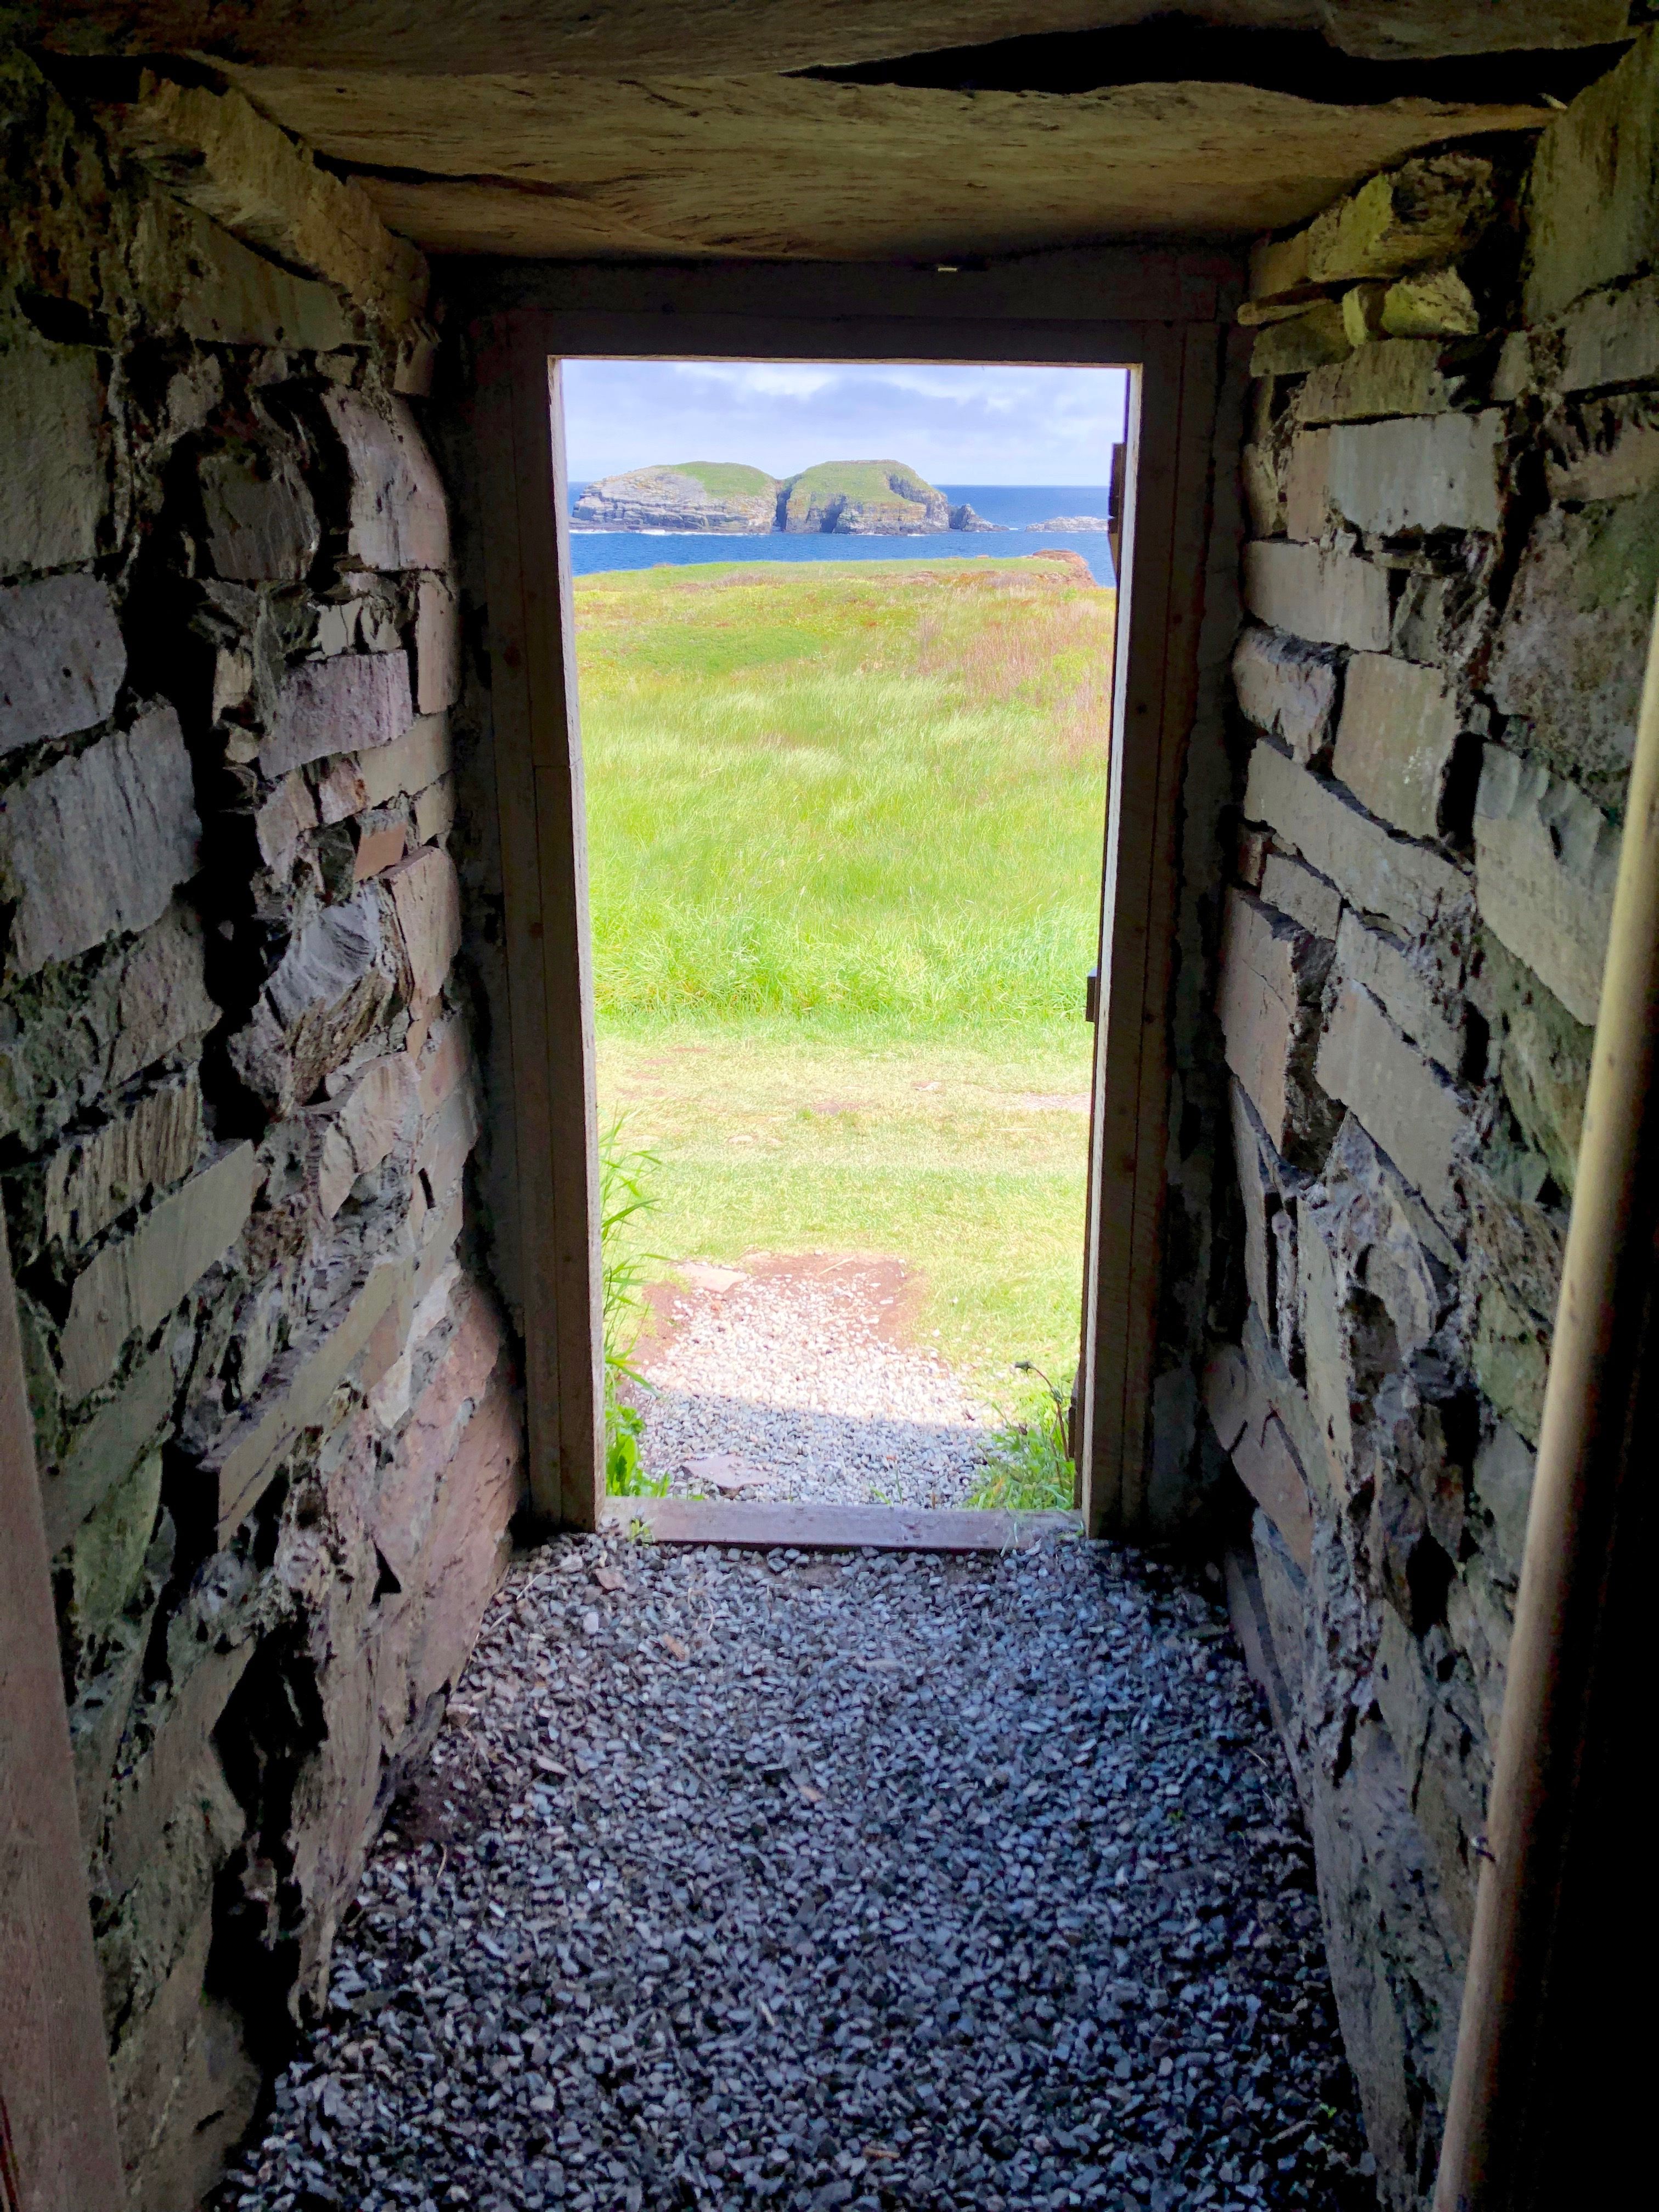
pixel 539 778
pixel 541 813
pixel 57 2107
pixel 1155 676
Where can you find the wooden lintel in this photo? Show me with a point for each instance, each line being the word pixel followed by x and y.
pixel 1122 283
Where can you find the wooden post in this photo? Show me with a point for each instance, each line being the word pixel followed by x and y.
pixel 1548 2093
pixel 1160 604
pixel 538 783
pixel 61 2154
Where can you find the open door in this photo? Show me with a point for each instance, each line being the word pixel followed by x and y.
pixel 1164 521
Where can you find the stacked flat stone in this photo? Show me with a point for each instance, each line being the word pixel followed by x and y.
pixel 1453 479
pixel 278 1440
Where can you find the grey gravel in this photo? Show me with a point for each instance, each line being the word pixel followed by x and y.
pixel 868 1882
pixel 798 1378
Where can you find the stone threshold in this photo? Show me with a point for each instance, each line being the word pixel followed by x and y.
pixel 753 1525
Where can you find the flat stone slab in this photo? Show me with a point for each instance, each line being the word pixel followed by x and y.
pixel 754 1525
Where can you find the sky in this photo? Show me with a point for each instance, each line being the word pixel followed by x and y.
pixel 956 425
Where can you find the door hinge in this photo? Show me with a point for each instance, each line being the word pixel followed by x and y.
pixel 1091 996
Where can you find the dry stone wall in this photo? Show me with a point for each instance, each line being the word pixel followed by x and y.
pixel 278 1427
pixel 1453 478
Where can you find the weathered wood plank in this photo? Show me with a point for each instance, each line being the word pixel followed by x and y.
pixel 538 782
pixel 753 1525
pixel 1165 534
pixel 1142 611
pixel 670 336
pixel 1086 285
pixel 54 2077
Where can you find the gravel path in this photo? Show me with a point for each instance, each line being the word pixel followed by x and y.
pixel 874 1882
pixel 798 1377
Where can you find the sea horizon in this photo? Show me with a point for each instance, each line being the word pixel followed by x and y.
pixel 1015 507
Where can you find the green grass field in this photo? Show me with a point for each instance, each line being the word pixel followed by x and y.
pixel 724 477
pixel 845 829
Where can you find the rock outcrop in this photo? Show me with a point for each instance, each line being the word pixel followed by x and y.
pixel 857 499
pixel 1073 523
pixel 863 499
pixel 721 496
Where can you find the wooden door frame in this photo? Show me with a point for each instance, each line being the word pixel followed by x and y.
pixel 1165 322
pixel 56 2103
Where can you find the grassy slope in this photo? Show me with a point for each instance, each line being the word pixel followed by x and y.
pixel 723 478
pixel 863 480
pixel 845 827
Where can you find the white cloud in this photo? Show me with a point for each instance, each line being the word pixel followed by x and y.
pixel 957 424
pixel 784 380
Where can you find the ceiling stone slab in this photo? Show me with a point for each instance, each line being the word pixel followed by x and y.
pixel 589 37
pixel 777 168
pixel 611 37
pixel 1406 30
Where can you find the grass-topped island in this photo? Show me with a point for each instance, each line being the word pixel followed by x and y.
pixel 866 499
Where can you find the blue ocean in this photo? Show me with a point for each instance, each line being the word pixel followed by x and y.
pixel 1014 506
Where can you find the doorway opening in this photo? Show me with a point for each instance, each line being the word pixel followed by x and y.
pixel 552 1196
pixel 845 732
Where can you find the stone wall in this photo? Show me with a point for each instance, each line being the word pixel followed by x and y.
pixel 278 1428
pixel 1453 477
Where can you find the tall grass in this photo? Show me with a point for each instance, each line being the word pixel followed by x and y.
pixel 819 793
pixel 845 826
pixel 623 1196
pixel 1028 1467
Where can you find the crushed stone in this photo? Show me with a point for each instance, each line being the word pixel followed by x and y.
pixel 797 1378
pixel 868 1881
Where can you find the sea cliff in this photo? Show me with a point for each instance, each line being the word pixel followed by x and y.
pixel 691 495
pixel 864 498
pixel 861 499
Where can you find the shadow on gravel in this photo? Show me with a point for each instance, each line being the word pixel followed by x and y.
pixel 873 1881
pixel 802 1453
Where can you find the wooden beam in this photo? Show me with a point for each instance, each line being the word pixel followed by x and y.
pixel 539 785
pixel 1076 342
pixel 763 1525
pixel 59 2120
pixel 1092 285
pixel 1165 533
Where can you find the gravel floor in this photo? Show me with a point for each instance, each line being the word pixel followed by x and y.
pixel 877 1881
pixel 794 1377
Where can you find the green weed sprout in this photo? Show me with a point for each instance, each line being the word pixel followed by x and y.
pixel 1027 1467
pixel 623 1193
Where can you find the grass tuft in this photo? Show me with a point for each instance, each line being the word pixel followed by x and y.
pixel 1027 1467
pixel 624 1198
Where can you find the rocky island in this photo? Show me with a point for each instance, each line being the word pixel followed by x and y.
pixel 717 496
pixel 1073 523
pixel 851 499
